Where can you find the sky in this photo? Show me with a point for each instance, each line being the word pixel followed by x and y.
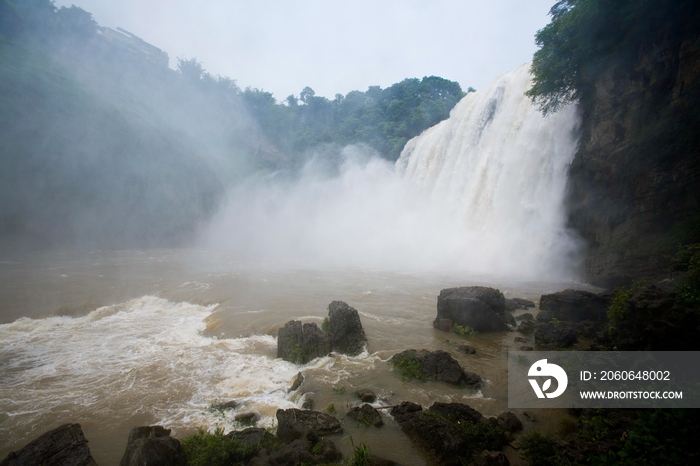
pixel 332 46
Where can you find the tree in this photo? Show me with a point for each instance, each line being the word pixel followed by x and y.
pixel 191 70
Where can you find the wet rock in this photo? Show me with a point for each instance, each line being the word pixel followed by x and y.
pixel 491 458
pixel 509 422
pixel 346 333
pixel 366 414
pixel 509 319
pixel 437 365
pixel 526 348
pixel 63 446
pixel 448 432
pixel 295 424
pixel 527 317
pixel 300 343
pixel 251 436
pixel 526 328
pixel 246 418
pixel 366 395
pixel 228 405
pixel 551 336
pixel 524 303
pixel 309 451
pixel 308 403
pixel 298 380
pixel 466 349
pixel 153 445
pixel 574 306
pixel 478 307
pixel 521 340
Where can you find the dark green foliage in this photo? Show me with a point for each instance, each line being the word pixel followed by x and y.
pixel 360 455
pixel 465 331
pixel 688 260
pixel 540 450
pixel 586 36
pixel 326 325
pixel 300 354
pixel 618 308
pixel 217 449
pixel 408 367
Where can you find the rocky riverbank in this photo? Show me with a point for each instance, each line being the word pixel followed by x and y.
pixel 646 316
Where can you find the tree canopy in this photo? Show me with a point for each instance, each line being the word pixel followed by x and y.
pixel 586 36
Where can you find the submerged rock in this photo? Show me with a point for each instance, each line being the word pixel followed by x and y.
pixel 300 343
pixel 433 365
pixel 478 307
pixel 345 328
pixel 295 424
pixel 366 414
pixel 63 446
pixel 366 395
pixel 153 445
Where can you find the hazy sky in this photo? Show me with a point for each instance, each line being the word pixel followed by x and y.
pixel 334 46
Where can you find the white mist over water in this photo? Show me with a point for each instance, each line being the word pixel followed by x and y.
pixel 480 192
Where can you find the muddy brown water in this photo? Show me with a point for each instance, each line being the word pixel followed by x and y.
pixel 117 339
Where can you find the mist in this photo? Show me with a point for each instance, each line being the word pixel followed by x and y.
pixel 481 192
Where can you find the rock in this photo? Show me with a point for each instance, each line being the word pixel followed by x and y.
pixel 524 303
pixel 478 307
pixel 63 446
pixel 527 317
pixel 438 365
pixel 530 416
pixel 366 395
pixel 366 414
pixel 153 445
pixel 521 340
pixel 550 336
pixel 443 432
pixel 574 306
pixel 375 460
pixel 509 319
pixel 491 458
pixel 466 349
pixel 228 405
pixel 251 436
pixel 526 348
pixel 298 380
pixel 346 333
pixel 526 327
pixel 246 418
pixel 301 451
pixel 300 344
pixel 509 422
pixel 295 424
pixel 308 403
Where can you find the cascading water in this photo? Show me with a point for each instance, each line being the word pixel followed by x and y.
pixel 501 167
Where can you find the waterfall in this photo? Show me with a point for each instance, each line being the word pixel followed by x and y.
pixel 501 167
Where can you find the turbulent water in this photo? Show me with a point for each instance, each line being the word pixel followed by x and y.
pixel 117 339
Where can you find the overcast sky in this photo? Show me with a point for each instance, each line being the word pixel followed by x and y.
pixel 334 46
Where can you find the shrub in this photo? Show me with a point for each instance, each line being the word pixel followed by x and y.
pixel 205 449
pixel 408 367
pixel 464 331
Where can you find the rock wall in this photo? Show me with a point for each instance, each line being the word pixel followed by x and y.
pixel 633 184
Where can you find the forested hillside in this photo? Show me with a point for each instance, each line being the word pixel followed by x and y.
pixel 102 145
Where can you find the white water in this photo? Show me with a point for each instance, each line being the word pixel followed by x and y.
pixel 480 192
pixel 501 166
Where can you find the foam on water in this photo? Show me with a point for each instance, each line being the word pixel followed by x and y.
pixel 147 355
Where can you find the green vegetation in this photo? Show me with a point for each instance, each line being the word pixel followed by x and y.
pixel 326 325
pixel 585 37
pixel 217 449
pixel 338 390
pixel 556 322
pixel 540 450
pixel 300 354
pixel 330 408
pixel 688 260
pixel 620 303
pixel 408 367
pixel 360 456
pixel 465 331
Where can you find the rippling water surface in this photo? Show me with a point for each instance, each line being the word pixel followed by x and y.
pixel 117 339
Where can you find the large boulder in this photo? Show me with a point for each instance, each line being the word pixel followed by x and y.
pixel 300 343
pixel 346 333
pixel 63 446
pixel 573 306
pixel 478 307
pixel 295 424
pixel 433 365
pixel 449 432
pixel 153 445
pixel 366 414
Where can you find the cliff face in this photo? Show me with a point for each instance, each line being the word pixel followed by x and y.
pixel 633 186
